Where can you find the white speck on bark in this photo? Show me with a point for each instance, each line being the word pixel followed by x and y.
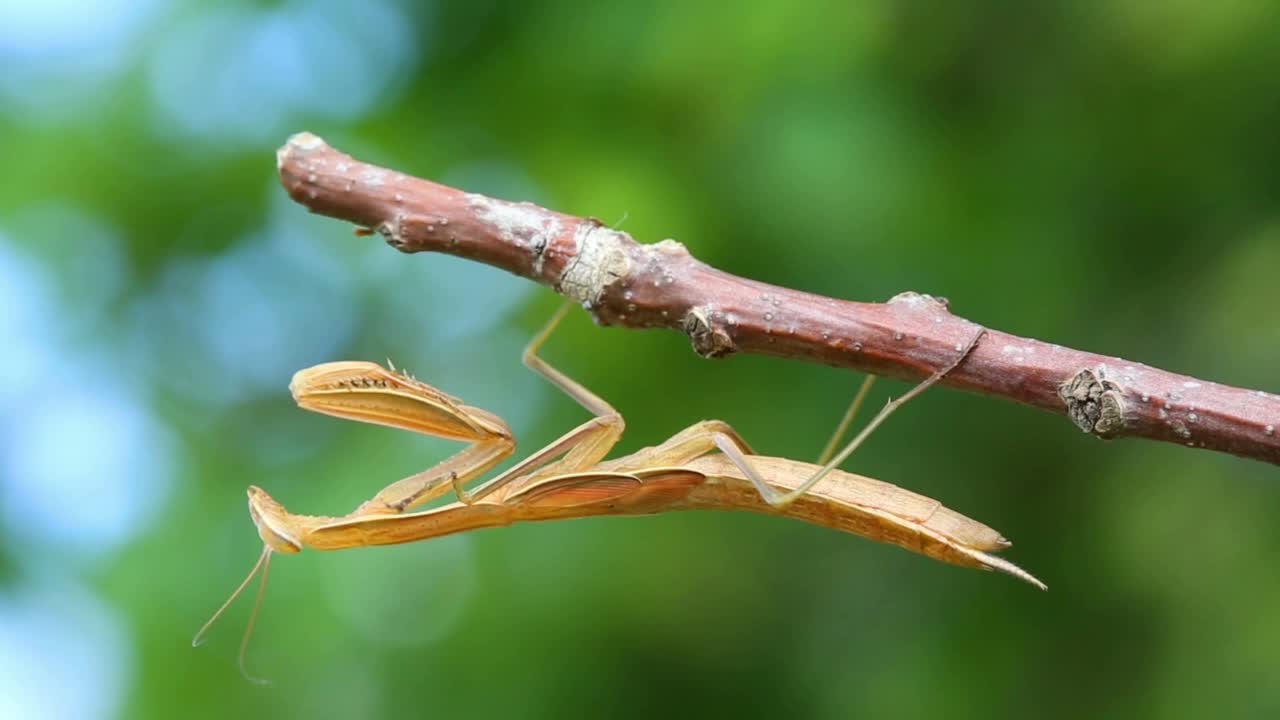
pixel 304 141
pixel 523 224
pixel 670 247
pixel 909 298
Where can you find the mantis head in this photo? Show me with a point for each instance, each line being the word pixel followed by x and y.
pixel 276 528
pixel 275 525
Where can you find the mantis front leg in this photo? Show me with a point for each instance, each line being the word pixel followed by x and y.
pixel 370 393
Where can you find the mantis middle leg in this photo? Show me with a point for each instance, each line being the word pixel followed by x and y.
pixel 703 437
pixel 732 447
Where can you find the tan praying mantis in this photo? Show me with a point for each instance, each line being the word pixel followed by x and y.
pixel 705 466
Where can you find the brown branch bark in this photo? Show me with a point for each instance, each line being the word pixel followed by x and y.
pixel 622 282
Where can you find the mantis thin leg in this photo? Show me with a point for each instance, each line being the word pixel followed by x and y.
pixel 582 447
pixel 847 420
pixel 782 499
pixel 687 445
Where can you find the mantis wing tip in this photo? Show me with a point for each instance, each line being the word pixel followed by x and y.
pixel 992 562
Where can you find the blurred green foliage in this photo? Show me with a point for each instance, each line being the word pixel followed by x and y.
pixel 1104 175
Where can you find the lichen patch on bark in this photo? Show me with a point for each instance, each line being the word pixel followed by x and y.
pixel 601 260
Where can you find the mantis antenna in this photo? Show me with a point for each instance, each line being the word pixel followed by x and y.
pixel 264 564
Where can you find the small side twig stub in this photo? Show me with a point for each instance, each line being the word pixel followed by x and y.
pixel 1094 404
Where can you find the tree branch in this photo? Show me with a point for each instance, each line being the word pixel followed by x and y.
pixel 622 282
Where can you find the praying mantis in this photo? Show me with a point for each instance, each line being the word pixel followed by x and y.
pixel 705 466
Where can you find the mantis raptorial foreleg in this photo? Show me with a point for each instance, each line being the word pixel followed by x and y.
pixel 730 446
pixel 369 393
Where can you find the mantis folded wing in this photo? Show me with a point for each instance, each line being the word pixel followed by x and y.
pixel 705 466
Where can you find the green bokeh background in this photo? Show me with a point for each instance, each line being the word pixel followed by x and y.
pixel 1104 175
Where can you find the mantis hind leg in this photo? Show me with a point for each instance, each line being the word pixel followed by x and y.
pixel 734 451
pixel 690 443
pixel 830 448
